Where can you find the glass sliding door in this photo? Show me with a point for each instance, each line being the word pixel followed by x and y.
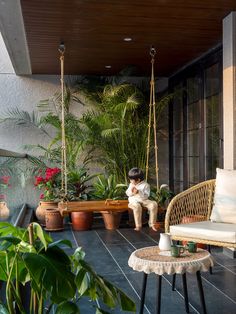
pixel 193 130
pixel 178 151
pixel 196 147
pixel 213 138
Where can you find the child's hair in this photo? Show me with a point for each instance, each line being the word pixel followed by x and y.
pixel 135 174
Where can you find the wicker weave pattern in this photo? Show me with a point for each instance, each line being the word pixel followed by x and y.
pixel 196 201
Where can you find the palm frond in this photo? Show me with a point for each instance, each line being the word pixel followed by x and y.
pixel 109 132
pixel 25 119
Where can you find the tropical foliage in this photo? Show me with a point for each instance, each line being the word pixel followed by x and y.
pixel 58 281
pixel 112 132
pixel 117 128
pixel 108 188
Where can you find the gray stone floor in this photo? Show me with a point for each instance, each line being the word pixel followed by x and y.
pixel 108 253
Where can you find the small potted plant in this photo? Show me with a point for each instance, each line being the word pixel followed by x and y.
pixel 78 190
pixel 162 196
pixel 107 188
pixel 49 183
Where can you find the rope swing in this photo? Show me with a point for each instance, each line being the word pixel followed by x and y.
pixel 152 119
pixel 63 136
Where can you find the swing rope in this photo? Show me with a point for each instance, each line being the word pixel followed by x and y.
pixel 63 136
pixel 152 119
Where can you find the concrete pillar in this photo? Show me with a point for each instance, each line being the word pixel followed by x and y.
pixel 229 90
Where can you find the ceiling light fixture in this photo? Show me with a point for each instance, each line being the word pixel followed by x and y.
pixel 128 39
pixel 107 66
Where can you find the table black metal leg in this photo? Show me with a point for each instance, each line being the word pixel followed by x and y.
pixel 201 293
pixel 185 292
pixel 143 293
pixel 159 280
pixel 173 282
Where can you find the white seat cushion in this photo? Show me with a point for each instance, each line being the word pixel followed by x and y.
pixel 206 230
pixel 224 209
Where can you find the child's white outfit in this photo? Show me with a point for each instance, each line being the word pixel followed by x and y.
pixel 136 201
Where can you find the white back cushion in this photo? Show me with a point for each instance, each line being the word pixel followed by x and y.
pixel 224 209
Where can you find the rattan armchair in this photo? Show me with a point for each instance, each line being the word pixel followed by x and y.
pixel 196 203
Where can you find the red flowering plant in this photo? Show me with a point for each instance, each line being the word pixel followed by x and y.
pixel 4 184
pixel 49 184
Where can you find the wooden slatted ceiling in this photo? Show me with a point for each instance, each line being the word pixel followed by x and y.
pixel 93 31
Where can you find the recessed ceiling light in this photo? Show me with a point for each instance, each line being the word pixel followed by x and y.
pixel 107 66
pixel 127 39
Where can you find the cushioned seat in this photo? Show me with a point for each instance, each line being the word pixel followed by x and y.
pixel 195 204
pixel 214 231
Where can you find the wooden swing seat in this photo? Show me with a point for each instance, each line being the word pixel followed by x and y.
pixel 93 206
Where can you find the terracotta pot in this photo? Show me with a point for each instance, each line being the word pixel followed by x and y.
pixel 82 221
pixel 4 211
pixel 193 218
pixel 41 210
pixel 111 219
pixel 54 220
pixel 160 225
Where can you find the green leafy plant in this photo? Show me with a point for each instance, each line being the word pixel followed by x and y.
pixel 162 196
pixel 116 128
pixel 57 280
pixel 108 188
pixel 78 186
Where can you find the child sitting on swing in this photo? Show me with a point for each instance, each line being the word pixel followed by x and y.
pixel 138 193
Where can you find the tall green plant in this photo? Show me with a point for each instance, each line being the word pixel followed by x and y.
pixel 55 278
pixel 117 128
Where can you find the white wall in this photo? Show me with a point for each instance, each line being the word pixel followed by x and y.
pixel 23 93
pixel 5 62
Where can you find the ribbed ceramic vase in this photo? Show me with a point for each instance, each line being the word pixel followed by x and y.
pixel 41 210
pixel 4 211
pixel 54 220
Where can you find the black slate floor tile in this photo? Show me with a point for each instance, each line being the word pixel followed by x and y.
pixel 108 252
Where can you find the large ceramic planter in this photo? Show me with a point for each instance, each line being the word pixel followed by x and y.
pixel 81 221
pixel 4 211
pixel 41 210
pixel 111 220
